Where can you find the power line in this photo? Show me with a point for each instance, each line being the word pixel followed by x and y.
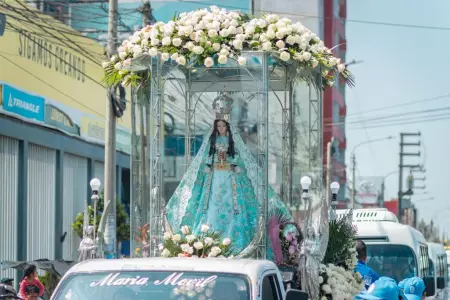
pixel 325 18
pixel 401 105
pixel 415 121
pixel 87 53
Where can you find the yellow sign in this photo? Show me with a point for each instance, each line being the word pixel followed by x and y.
pixel 42 56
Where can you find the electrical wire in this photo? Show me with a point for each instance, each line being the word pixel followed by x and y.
pixel 87 52
pixel 19 30
pixel 52 86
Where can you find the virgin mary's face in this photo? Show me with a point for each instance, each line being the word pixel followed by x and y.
pixel 221 128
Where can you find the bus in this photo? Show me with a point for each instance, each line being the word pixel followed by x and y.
pixel 393 249
pixel 438 267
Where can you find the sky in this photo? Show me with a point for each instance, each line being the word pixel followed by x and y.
pixel 406 67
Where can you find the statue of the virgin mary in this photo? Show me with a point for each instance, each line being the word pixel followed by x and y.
pixel 220 186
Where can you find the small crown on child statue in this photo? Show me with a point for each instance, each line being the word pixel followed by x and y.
pixel 222 106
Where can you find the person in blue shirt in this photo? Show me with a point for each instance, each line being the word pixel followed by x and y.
pixel 384 288
pixel 368 275
pixel 413 288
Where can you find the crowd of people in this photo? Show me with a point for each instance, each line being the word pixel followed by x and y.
pixel 386 288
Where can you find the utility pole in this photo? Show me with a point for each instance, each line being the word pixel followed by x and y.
pixel 353 198
pixel 402 166
pixel 147 15
pixel 110 141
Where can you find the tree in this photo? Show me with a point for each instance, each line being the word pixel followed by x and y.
pixel 123 226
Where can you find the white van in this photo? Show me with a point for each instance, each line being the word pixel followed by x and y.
pixel 438 267
pixel 393 249
pixel 175 278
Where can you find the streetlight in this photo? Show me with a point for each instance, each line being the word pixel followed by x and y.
pixel 353 198
pixel 95 186
pixel 305 182
pixel 334 187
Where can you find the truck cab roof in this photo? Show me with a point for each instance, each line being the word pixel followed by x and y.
pixel 250 267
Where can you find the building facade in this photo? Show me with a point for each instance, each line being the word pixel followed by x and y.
pixel 334 106
pixel 52 109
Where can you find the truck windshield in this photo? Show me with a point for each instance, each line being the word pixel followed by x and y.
pixel 395 261
pixel 137 285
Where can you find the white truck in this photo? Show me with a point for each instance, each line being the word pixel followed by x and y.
pixel 176 278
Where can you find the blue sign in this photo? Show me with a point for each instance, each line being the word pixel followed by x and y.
pixel 23 104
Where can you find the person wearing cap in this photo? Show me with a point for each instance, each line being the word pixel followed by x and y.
pixel 7 292
pixel 7 281
pixel 368 275
pixel 414 288
pixel 384 288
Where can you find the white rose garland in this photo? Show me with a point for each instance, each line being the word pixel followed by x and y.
pixel 198 37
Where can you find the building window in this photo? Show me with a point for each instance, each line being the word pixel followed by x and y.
pixel 336 118
pixel 336 8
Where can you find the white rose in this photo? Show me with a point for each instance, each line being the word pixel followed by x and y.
pixel 238 44
pixel 224 33
pixel 153 52
pixel 189 46
pixel 209 62
pixel 216 46
pixel 174 57
pixel 341 68
pixel 242 60
pixel 291 40
pixel 214 251
pixel 167 236
pixel 154 42
pixel 190 238
pixel 166 41
pixel 185 230
pixel 266 46
pixel 270 35
pixel 165 56
pixel 250 30
pixel 184 247
pixel 118 66
pixel 160 247
pixel 198 245
pixel 280 34
pixel 105 64
pixel 205 228
pixel 234 23
pixel 239 30
pixel 209 241
pixel 198 49
pixel 280 44
pixel 262 23
pixel 190 250
pixel 232 30
pixel 165 253
pixel 222 59
pixel 320 279
pixel 314 62
pixel 122 55
pixel 176 238
pixel 272 18
pixel 212 33
pixel 326 288
pixel 226 242
pixel 285 56
pixel 177 42
pixel 306 56
pixel 181 60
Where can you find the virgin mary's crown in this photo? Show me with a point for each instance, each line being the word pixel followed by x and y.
pixel 222 106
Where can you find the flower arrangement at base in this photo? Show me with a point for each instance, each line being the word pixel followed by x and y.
pixel 186 244
pixel 338 280
pixel 216 36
